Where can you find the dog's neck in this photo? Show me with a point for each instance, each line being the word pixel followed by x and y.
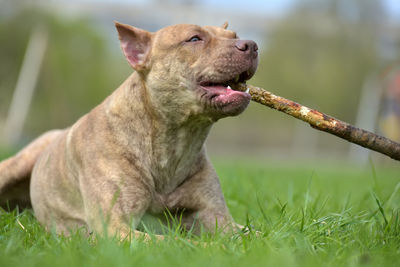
pixel 174 144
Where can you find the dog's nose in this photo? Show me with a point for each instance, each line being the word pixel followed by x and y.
pixel 246 46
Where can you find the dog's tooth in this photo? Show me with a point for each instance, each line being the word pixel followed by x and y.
pixel 229 87
pixel 248 90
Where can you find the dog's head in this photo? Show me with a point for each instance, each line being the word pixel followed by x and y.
pixel 192 69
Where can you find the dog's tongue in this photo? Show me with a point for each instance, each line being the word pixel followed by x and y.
pixel 223 91
pixel 227 100
pixel 226 96
pixel 220 89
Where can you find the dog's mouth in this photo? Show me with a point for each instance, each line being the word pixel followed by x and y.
pixel 224 96
pixel 222 87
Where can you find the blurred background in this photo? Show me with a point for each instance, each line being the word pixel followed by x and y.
pixel 59 59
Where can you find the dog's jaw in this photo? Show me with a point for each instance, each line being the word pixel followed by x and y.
pixel 223 100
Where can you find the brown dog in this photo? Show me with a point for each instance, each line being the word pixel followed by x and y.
pixel 142 149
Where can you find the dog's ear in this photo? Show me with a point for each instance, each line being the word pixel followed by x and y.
pixel 225 25
pixel 135 44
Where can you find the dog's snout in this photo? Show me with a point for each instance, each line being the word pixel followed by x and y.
pixel 247 46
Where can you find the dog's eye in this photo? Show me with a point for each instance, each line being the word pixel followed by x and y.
pixel 195 38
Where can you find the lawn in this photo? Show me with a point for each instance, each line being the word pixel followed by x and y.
pixel 311 215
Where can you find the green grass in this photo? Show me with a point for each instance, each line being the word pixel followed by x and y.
pixel 309 216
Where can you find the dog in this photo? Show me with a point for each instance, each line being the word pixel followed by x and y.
pixel 141 151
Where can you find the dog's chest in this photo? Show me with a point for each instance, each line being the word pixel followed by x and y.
pixel 172 170
pixel 175 161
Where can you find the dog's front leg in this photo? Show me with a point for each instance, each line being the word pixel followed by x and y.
pixel 203 204
pixel 114 206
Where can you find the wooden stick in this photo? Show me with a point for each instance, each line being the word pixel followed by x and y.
pixel 323 122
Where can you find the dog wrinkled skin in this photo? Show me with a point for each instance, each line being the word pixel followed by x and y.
pixel 142 150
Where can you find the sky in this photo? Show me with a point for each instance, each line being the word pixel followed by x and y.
pixel 272 7
pixel 393 6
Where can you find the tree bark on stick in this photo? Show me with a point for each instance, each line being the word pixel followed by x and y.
pixel 323 122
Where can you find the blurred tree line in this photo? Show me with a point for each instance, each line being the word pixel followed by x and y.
pixel 79 69
pixel 322 52
pixel 319 54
